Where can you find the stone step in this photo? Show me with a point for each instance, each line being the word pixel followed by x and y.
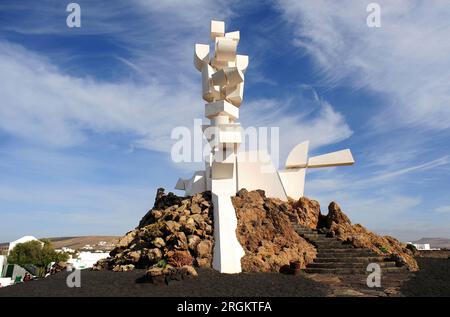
pixel 320 239
pixel 325 246
pixel 335 265
pixel 349 250
pixel 346 253
pixel 313 236
pixel 386 270
pixel 305 232
pixel 362 259
pixel 303 229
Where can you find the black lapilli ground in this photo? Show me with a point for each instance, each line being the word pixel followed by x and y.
pixel 433 279
pixel 209 283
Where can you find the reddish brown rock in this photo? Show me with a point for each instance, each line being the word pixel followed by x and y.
pixel 339 225
pixel 267 235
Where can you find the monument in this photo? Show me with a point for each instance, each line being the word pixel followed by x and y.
pixel 227 170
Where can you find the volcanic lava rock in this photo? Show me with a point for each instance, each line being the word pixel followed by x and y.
pixel 178 232
pixel 266 233
pixel 337 224
pixel 176 229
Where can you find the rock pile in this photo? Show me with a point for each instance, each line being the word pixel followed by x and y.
pixel 337 224
pixel 177 235
pixel 58 267
pixel 177 232
pixel 266 233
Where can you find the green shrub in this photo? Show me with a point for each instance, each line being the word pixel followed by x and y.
pixel 33 252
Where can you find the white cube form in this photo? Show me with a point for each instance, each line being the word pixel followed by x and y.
pixel 298 157
pixel 209 91
pixel 242 62
pixel 338 158
pixel 217 29
pixel 230 134
pixel 225 49
pixel 201 56
pixel 228 76
pixel 235 36
pixel 222 64
pixel 223 170
pixel 219 78
pixel 234 76
pixel 221 107
pixel 235 94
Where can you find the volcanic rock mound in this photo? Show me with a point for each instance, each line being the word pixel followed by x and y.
pixel 178 232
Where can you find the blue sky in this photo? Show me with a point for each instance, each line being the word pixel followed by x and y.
pixel 86 113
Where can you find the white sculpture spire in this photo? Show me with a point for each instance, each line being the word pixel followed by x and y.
pixel 227 171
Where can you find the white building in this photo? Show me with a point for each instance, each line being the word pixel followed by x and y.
pixel 2 264
pixel 87 259
pixel 423 246
pixel 22 240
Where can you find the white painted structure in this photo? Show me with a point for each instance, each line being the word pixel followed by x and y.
pixel 423 246
pixel 5 281
pixel 2 264
pixel 22 240
pixel 87 259
pixel 227 170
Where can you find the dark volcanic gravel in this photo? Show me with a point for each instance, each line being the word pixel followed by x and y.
pixel 208 283
pixel 433 279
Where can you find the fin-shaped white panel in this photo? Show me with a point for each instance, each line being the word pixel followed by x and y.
pixel 298 157
pixel 255 170
pixel 293 181
pixel 339 158
pixel 201 56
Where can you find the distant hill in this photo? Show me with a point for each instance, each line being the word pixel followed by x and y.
pixel 435 242
pixel 104 243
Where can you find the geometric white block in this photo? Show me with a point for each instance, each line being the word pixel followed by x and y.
pixel 233 35
pixel 338 158
pixel 201 56
pixel 217 29
pixel 181 184
pixel 221 107
pixel 197 184
pixel 225 49
pixel 293 181
pixel 221 170
pixel 230 133
pixel 219 78
pixel 234 76
pixel 242 62
pixel 228 76
pixel 210 92
pixel 298 157
pixel 235 94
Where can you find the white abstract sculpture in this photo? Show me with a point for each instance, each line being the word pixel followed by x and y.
pixel 226 170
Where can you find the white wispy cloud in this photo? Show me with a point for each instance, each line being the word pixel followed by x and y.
pixel 406 59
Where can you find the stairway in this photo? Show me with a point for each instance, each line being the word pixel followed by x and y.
pixel 349 263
